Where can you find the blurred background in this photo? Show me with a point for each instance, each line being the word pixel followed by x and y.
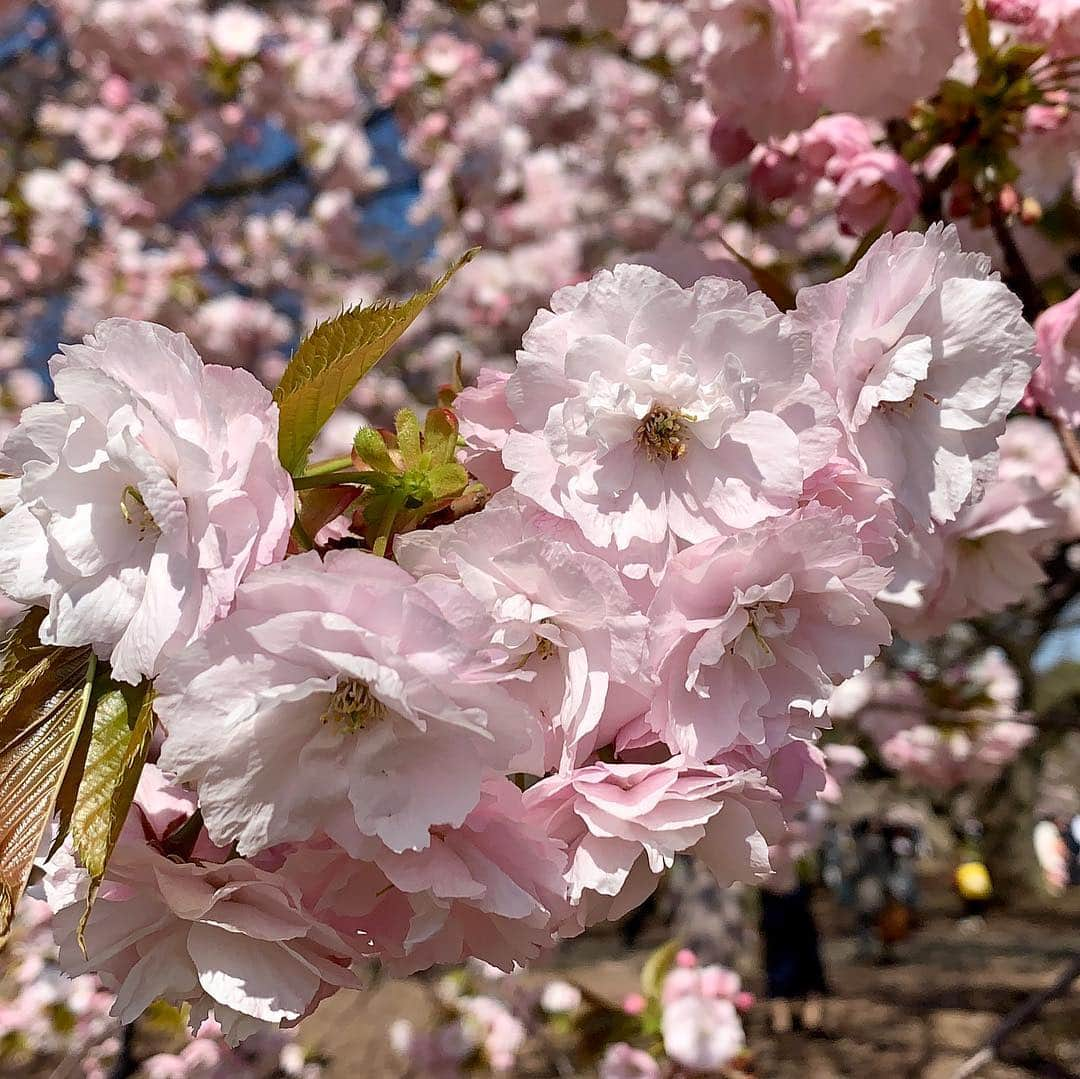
pixel 239 171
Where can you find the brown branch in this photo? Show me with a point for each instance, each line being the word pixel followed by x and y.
pixel 1023 1013
pixel 1019 276
pixel 1069 443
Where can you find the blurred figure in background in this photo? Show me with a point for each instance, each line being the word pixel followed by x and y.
pixel 1052 852
pixel 971 878
pixel 789 936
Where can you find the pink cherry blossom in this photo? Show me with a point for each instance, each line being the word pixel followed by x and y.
pixel 830 142
pixel 876 189
pixel 875 57
pixel 500 1034
pixel 561 613
pixel 623 824
pixel 1031 450
pixel 984 561
pixel 142 497
pixel 730 142
pixel 943 759
pixel 622 1061
pixel 752 64
pixel 340 696
pixel 926 352
pixel 644 409
pixel 1016 12
pixel 231 939
pixel 1056 382
pixel 491 889
pixel 748 626
pixel 842 486
pixel 702 1033
pixel 1056 24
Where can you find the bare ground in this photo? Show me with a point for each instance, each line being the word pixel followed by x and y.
pixel 917 1018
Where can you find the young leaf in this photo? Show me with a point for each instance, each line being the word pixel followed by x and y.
pixel 43 701
pixel 331 360
pixel 408 437
pixel 120 721
pixel 656 968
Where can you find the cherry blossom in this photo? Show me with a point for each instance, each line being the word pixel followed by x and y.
pixel 340 696
pixel 643 408
pixel 561 613
pixel 765 620
pixel 624 823
pixel 141 498
pixel 231 939
pixel 1056 382
pixel 926 352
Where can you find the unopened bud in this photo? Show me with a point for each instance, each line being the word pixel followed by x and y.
pixel 1030 211
pixel 1008 200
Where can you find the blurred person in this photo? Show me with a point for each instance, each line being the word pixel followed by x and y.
pixel 1072 845
pixel 971 878
pixel 1052 852
pixel 794 971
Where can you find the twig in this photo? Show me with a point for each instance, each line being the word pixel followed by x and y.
pixel 1016 1018
pixel 1069 443
pixel 1020 277
pixel 125 1063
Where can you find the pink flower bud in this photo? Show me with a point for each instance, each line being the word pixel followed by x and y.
pixel 744 1001
pixel 877 188
pixel 115 92
pixel 685 958
pixel 634 1004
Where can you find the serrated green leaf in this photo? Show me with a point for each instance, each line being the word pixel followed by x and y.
pixel 43 700
pixel 120 721
pixel 656 969
pixel 333 358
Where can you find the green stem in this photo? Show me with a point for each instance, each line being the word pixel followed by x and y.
pixel 333 479
pixel 386 525
pixel 332 464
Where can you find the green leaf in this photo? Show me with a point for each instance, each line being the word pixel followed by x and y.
pixel 371 449
pixel 656 969
pixel 441 435
pixel 44 694
pixel 333 358
pixel 978 29
pixel 120 722
pixel 408 437
pixel 448 480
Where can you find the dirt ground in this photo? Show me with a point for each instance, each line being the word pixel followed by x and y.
pixel 916 1018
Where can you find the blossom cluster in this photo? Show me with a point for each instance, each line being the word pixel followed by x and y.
pixel 49 1020
pixel 699 517
pixel 960 727
pixel 489 1020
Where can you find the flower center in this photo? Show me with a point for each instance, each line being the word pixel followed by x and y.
pixel 767 618
pixel 544 649
pixel 354 706
pixel 874 38
pixel 136 513
pixel 662 433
